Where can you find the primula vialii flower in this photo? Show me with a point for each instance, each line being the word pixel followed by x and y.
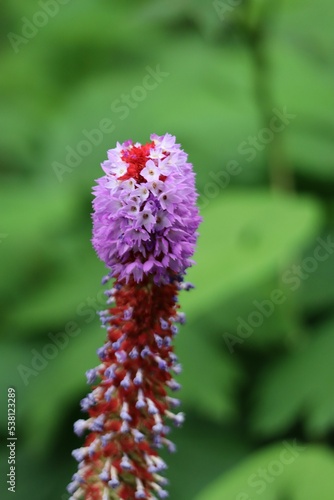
pixel 145 229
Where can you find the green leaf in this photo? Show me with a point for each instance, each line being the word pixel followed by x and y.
pixel 59 381
pixel 33 220
pixel 317 291
pixel 301 79
pixel 204 450
pixel 284 471
pixel 210 376
pixel 244 238
pixel 296 387
pixel 74 293
pixel 251 318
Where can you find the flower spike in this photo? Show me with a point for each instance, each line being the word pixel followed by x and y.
pixel 145 224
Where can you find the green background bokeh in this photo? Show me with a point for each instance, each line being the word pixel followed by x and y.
pixel 247 88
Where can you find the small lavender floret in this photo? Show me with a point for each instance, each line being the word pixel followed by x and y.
pixel 114 483
pixel 98 424
pixel 91 375
pixel 80 426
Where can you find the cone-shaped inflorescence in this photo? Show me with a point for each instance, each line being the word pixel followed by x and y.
pixel 145 229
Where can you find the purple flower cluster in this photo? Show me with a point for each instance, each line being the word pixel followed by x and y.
pixel 145 219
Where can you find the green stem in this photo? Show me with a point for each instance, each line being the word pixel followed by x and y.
pixel 280 174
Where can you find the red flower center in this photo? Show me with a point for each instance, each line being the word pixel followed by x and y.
pixel 136 157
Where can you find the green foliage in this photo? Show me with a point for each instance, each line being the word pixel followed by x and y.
pixel 284 471
pixel 27 245
pixel 207 460
pixel 253 369
pixel 213 393
pixel 249 235
pixel 303 389
pixel 54 379
pixel 301 78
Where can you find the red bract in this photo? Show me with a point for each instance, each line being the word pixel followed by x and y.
pixel 130 400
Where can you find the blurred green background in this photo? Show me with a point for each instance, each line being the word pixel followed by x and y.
pixel 247 88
